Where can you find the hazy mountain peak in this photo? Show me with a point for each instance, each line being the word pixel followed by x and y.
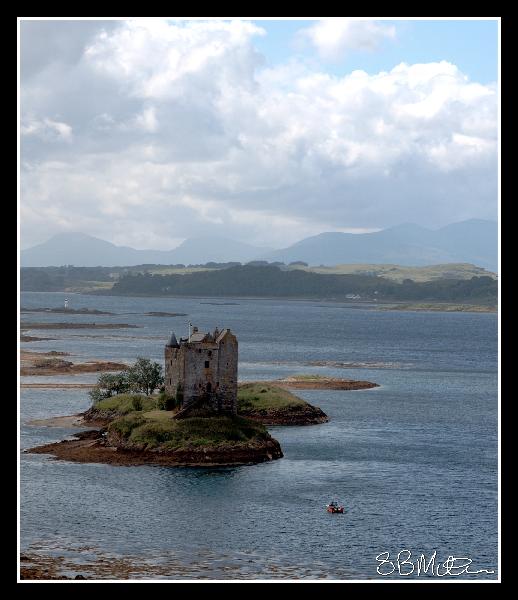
pixel 472 241
pixel 407 244
pixel 405 227
pixel 80 249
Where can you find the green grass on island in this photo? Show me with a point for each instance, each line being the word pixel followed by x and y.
pixel 151 431
pixel 250 396
pixel 126 403
pixel 259 396
pixel 140 423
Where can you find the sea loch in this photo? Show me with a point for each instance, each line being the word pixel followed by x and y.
pixel 413 461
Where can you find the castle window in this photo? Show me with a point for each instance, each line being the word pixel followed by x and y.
pixel 199 350
pixel 206 364
pixel 210 353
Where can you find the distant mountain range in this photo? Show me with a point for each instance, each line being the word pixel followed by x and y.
pixel 474 241
pixel 83 250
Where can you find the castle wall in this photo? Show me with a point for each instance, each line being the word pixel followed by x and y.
pixel 205 370
pixel 197 375
pixel 174 369
pixel 227 373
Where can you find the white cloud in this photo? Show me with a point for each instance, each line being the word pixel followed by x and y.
pixel 155 59
pixel 180 130
pixel 47 129
pixel 147 120
pixel 333 37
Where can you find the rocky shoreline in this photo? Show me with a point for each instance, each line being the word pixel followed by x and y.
pixel 54 561
pixel 33 338
pixel 94 447
pixel 323 383
pixel 46 363
pixel 55 385
pixel 441 307
pixel 306 415
pixel 70 311
pixel 65 367
pixel 25 325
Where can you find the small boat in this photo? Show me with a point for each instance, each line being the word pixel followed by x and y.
pixel 334 507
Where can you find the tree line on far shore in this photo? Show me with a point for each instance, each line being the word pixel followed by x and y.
pixel 271 281
pixel 262 280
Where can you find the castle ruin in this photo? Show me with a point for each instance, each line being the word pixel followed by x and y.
pixel 202 370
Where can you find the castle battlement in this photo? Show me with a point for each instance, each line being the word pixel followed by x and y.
pixel 203 369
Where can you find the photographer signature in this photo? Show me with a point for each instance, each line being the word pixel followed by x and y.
pixel 404 565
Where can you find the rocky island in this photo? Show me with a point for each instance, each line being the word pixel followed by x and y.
pixel 202 417
pixel 46 363
pixel 159 437
pixel 66 310
pixel 270 404
pixel 193 421
pixel 25 325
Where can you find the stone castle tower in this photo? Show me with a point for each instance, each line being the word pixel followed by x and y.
pixel 203 370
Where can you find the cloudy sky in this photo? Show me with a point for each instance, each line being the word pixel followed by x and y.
pixel 148 132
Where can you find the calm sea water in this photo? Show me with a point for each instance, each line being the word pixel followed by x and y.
pixel 414 461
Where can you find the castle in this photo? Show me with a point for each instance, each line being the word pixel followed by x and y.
pixel 202 370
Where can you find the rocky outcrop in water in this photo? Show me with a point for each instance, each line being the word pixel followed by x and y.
pixel 95 447
pixel 294 415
